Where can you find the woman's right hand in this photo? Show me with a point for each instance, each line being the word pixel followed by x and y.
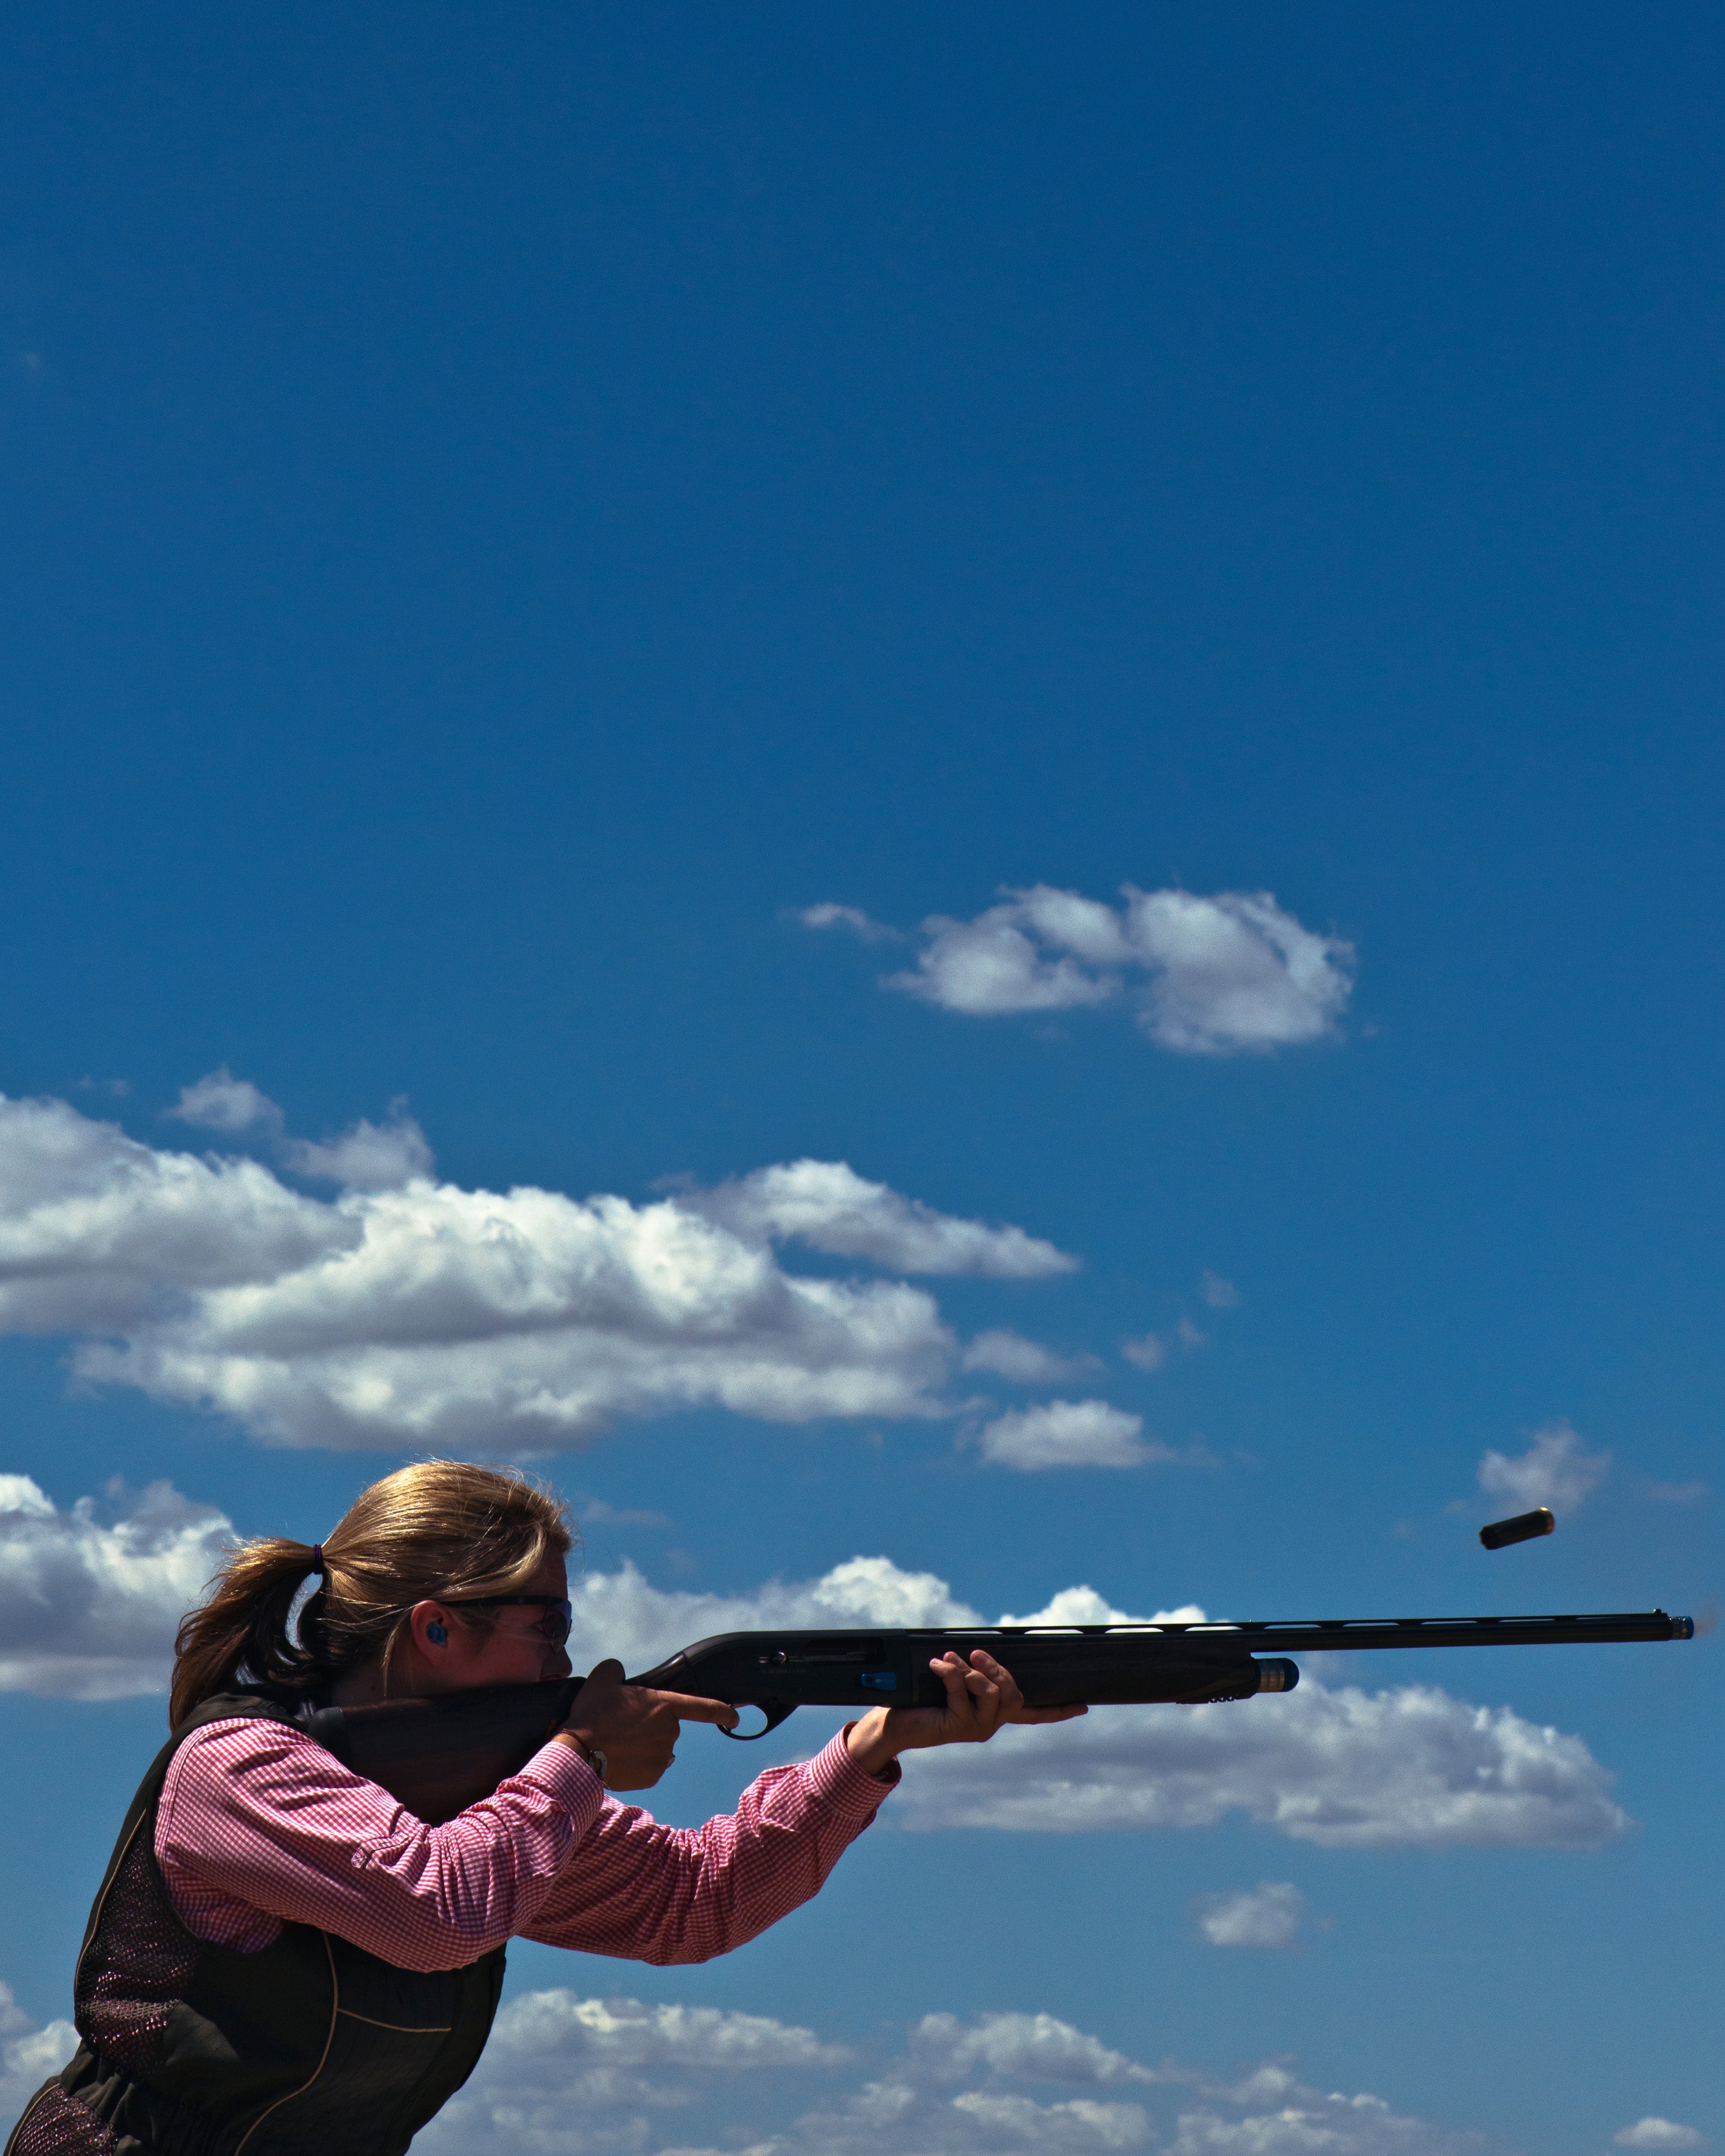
pixel 635 1727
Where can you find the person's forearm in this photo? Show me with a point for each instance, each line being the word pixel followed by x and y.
pixel 659 1894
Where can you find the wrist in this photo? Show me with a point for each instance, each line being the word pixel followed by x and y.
pixel 870 1741
pixel 585 1746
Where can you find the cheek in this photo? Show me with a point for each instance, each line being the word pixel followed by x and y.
pixel 513 1659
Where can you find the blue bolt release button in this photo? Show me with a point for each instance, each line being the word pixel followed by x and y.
pixel 879 1680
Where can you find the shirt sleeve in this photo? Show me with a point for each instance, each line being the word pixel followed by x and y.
pixel 648 1892
pixel 254 1812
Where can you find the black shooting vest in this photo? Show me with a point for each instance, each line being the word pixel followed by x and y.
pixel 308 2047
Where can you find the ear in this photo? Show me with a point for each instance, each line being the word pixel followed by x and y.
pixel 429 1622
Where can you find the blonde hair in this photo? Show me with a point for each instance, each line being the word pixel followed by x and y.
pixel 438 1528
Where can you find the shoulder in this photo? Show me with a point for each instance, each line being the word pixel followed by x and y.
pixel 253 1750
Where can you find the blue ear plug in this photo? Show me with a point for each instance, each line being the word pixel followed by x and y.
pixel 435 1632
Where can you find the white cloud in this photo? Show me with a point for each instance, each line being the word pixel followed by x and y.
pixel 1676 1493
pixel 1024 2046
pixel 1068 1434
pixel 1264 1916
pixel 1305 2121
pixel 1345 1768
pixel 622 2032
pixel 849 917
pixel 1554 1471
pixel 220 1102
pixel 829 1206
pixel 1023 1361
pixel 98 1232
pixel 1235 971
pixel 565 2076
pixel 1205 976
pixel 622 1614
pixel 1657 2134
pixel 88 1604
pixel 27 2055
pixel 368 1156
pixel 992 966
pixel 1080 2122
pixel 558 2069
pixel 1267 2112
pixel 428 1316
pixel 1149 1353
pixel 1218 1293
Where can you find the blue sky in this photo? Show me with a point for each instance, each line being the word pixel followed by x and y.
pixel 506 509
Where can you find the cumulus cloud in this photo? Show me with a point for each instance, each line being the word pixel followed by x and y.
pixel 1149 1352
pixel 1019 2068
pixel 427 1316
pixel 1555 1470
pixel 1068 1434
pixel 561 2073
pixel 1657 2134
pixel 829 1206
pixel 28 2055
pixel 1265 1916
pixel 90 1598
pixel 1277 2116
pixel 1023 1361
pixel 367 1157
pixel 1345 1768
pixel 1218 1293
pixel 622 1614
pixel 1204 976
pixel 1020 2046
pixel 220 1102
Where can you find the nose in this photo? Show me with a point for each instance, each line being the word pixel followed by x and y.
pixel 556 1666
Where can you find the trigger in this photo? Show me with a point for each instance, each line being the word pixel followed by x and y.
pixel 776 1712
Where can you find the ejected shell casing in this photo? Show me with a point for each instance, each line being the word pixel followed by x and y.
pixel 1522 1529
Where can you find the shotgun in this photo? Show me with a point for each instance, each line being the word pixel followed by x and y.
pixel 438 1756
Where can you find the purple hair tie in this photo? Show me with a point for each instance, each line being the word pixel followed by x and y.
pixel 318 1563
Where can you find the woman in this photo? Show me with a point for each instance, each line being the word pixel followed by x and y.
pixel 283 1961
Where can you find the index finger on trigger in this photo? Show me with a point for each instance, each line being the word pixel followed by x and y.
pixel 687 1708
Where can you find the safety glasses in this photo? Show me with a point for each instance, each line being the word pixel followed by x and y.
pixel 556 1618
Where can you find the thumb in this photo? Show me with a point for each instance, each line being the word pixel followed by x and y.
pixel 608 1671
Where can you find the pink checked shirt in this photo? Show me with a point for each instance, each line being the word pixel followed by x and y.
pixel 258 1826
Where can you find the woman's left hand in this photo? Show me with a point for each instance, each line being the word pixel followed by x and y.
pixel 980 1697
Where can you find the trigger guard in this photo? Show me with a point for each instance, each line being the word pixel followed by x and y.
pixel 779 1711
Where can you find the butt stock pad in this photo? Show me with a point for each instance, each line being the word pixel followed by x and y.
pixel 438 1756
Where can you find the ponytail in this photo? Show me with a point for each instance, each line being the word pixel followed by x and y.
pixel 437 1528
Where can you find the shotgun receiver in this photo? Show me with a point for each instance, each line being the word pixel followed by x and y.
pixel 438 1756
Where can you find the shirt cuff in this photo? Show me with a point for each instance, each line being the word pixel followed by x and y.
pixel 847 1789
pixel 559 1772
